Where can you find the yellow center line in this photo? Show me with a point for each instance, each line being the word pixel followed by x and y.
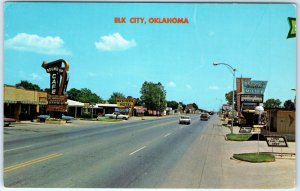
pixel 31 162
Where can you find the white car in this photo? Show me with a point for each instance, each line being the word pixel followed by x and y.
pixel 116 115
pixel 185 120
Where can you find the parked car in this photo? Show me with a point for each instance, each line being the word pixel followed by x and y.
pixel 116 115
pixel 185 120
pixel 204 116
pixel 7 121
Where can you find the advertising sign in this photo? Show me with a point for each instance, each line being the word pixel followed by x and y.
pixel 125 102
pixel 252 98
pixel 57 100
pixel 58 108
pixel 253 86
pixel 276 141
pixel 54 83
pixel 292 31
pixel 245 130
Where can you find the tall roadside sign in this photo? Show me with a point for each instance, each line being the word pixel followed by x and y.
pixel 126 103
pixel 57 99
pixel 251 95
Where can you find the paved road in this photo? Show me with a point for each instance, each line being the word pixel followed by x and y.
pixel 130 154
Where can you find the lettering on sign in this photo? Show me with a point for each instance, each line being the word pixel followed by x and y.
pixel 59 108
pixel 276 141
pixel 54 80
pixel 245 130
pixel 254 86
pixel 252 98
pixel 55 69
pixel 125 103
pixel 57 100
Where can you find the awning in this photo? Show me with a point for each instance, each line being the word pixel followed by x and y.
pixel 25 102
pixel 72 103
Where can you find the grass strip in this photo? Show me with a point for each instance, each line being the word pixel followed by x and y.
pixel 255 157
pixel 109 120
pixel 102 119
pixel 238 137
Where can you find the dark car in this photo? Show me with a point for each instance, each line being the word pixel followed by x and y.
pixel 204 116
pixel 7 121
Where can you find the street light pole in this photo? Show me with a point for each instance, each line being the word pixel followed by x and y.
pixel 233 70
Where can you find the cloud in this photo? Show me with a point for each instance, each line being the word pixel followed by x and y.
pixel 114 42
pixel 35 76
pixel 172 84
pixel 188 86
pixel 21 74
pixel 91 74
pixel 214 87
pixel 33 43
pixel 211 33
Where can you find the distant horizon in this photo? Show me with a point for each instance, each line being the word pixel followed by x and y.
pixel 116 47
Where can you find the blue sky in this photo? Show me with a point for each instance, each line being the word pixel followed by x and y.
pixel 105 56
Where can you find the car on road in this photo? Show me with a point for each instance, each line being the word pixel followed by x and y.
pixel 204 116
pixel 116 115
pixel 7 121
pixel 185 120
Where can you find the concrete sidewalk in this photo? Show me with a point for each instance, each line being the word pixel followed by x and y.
pixel 272 175
pixel 208 163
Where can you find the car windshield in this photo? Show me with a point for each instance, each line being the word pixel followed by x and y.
pixel 185 117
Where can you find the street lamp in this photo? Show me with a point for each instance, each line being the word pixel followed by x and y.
pixel 233 73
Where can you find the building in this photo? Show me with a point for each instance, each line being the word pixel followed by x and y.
pixel 281 122
pixel 22 104
pixel 75 108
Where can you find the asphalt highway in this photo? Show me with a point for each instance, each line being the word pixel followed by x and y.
pixel 129 154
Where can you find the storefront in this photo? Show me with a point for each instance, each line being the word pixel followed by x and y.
pixel 22 104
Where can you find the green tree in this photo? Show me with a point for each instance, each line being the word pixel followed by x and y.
pixel 84 95
pixel 195 106
pixel 73 94
pixel 28 85
pixel 228 97
pixel 112 99
pixel 153 96
pixel 138 102
pixel 272 103
pixel 87 96
pixel 288 104
pixel 172 104
pixel 47 90
pixel 182 105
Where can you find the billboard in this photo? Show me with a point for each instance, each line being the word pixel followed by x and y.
pixel 252 98
pixel 253 86
pixel 125 102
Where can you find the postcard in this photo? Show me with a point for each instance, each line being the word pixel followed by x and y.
pixel 152 95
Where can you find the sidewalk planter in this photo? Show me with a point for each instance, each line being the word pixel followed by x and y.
pixel 244 137
pixel 255 157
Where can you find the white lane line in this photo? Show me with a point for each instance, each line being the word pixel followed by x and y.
pixel 18 148
pixel 167 134
pixel 137 150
